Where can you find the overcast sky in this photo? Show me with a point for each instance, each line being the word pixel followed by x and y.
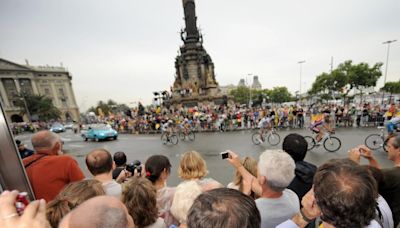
pixel 125 49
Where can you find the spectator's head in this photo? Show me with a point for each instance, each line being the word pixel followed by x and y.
pixel 185 194
pixel 100 211
pixel 276 170
pixel 393 148
pixel 120 158
pixel 192 166
pixel 20 145
pixel 223 207
pixel 140 197
pixel 70 197
pixel 345 193
pixel 47 142
pixel 157 168
pixel 99 161
pixel 296 146
pixel 250 165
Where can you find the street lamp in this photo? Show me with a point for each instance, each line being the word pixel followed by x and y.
pixel 387 64
pixel 301 63
pixel 248 84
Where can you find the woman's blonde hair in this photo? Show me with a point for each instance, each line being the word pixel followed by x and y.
pixel 70 197
pixel 192 166
pixel 250 164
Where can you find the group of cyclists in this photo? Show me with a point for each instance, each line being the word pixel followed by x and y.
pixel 323 126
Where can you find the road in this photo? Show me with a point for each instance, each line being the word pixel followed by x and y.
pixel 140 147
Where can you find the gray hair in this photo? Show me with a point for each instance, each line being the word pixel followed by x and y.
pixel 44 139
pixel 185 194
pixel 396 142
pixel 111 217
pixel 278 169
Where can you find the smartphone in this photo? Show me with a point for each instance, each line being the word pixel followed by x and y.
pixel 22 202
pixel 362 151
pixel 224 155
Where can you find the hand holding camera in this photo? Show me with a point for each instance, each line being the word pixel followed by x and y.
pixel 34 214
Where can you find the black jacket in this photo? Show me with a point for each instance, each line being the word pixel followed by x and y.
pixel 303 180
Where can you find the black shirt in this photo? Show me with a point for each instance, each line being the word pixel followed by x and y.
pixel 391 191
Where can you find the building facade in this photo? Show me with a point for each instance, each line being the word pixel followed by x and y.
pixel 54 82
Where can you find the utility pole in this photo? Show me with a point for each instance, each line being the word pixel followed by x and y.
pixel 387 64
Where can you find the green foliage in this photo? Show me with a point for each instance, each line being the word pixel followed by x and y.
pixel 241 94
pixel 280 95
pixel 40 106
pixel 276 95
pixel 108 107
pixel 392 87
pixel 345 78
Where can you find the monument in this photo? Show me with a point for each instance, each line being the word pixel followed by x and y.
pixel 195 77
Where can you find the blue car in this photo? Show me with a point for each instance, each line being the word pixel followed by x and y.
pixel 57 128
pixel 100 132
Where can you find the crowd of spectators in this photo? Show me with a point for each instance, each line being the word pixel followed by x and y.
pixel 225 118
pixel 279 189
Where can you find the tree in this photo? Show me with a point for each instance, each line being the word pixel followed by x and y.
pixel 345 78
pixel 241 94
pixel 108 107
pixel 392 88
pixel 38 105
pixel 280 95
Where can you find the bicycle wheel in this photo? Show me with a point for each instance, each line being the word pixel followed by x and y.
pixel 181 136
pixel 332 144
pixel 374 141
pixel 174 139
pixel 164 138
pixel 385 145
pixel 310 142
pixel 274 139
pixel 191 136
pixel 256 138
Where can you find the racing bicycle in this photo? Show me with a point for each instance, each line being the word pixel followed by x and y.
pixel 272 137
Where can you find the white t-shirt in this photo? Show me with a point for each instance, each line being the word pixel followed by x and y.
pixel 112 188
pixel 264 121
pixel 275 211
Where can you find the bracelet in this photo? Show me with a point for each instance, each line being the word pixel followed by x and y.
pixel 305 217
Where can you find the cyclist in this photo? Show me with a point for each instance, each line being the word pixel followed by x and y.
pixel 186 125
pixel 321 127
pixel 392 125
pixel 168 128
pixel 265 123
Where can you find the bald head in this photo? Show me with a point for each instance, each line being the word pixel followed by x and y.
pixel 99 161
pixel 99 212
pixel 46 141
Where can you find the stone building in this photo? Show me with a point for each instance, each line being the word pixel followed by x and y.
pixel 256 83
pixel 54 82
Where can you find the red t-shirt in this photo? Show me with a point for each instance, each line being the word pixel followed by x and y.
pixel 51 173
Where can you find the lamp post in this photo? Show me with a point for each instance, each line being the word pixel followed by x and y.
pixel 387 64
pixel 248 84
pixel 300 63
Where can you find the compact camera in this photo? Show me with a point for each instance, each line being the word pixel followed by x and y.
pixel 134 165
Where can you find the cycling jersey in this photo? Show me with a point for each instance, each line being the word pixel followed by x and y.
pixel 264 122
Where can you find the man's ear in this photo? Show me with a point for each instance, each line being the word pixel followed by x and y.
pixel 261 180
pixel 57 148
pixel 113 165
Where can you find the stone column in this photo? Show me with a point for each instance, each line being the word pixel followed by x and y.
pixel 4 94
pixel 55 96
pixel 34 87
